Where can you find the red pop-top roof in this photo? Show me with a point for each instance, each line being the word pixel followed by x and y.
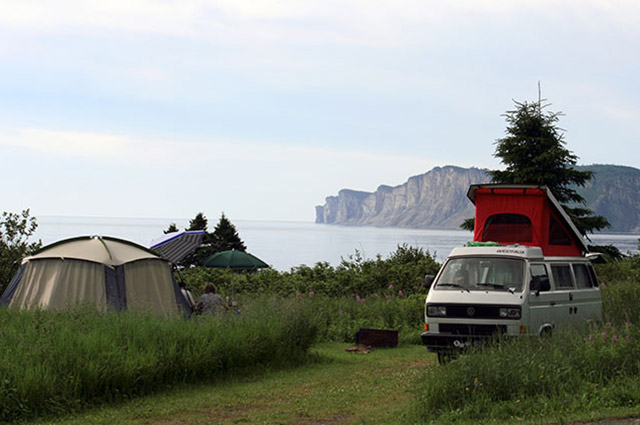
pixel 524 214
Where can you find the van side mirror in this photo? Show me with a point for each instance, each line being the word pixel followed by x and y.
pixel 540 284
pixel 428 280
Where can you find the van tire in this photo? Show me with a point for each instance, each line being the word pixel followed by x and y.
pixel 546 332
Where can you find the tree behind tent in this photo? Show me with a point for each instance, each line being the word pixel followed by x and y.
pixel 225 236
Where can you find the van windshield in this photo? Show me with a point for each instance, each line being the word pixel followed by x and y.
pixel 486 274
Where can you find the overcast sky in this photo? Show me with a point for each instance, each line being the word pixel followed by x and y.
pixel 261 109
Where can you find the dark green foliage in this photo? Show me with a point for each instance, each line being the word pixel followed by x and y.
pixel 468 224
pixel 404 270
pixel 60 362
pixel 534 152
pixel 172 228
pixel 609 252
pixel 15 230
pixel 225 236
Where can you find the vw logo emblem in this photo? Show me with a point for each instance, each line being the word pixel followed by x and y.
pixel 471 311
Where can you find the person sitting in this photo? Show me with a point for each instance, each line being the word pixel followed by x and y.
pixel 210 303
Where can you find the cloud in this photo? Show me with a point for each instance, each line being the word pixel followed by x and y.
pixel 63 143
pixel 389 22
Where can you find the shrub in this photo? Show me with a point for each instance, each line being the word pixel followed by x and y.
pixel 405 269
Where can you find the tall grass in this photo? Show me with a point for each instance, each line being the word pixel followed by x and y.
pixel 339 318
pixel 61 361
pixel 577 369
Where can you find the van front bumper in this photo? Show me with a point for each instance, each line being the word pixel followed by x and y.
pixel 448 342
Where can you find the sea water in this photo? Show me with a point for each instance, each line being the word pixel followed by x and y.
pixel 284 245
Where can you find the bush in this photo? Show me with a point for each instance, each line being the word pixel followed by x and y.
pixel 405 269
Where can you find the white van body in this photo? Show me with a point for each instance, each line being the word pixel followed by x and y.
pixel 513 290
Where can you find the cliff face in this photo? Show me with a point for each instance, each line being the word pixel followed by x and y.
pixel 614 193
pixel 437 200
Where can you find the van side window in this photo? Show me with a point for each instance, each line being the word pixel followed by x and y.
pixel 538 276
pixel 562 276
pixel 592 273
pixel 583 278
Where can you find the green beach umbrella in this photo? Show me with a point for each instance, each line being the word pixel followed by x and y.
pixel 234 259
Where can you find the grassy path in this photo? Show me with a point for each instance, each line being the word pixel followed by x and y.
pixel 340 388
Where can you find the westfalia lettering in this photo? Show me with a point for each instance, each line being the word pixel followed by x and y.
pixel 510 251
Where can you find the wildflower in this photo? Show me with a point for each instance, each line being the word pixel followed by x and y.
pixel 518 401
pixel 362 300
pixel 614 338
pixel 388 301
pixel 299 295
pixel 590 337
pixel 391 287
pixel 311 294
pixel 358 298
pixel 340 312
pixel 400 293
pixel 628 325
pixel 604 335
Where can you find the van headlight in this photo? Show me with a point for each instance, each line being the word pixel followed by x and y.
pixel 436 311
pixel 510 313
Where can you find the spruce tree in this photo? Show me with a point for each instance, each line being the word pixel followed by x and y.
pixel 171 229
pixel 200 222
pixel 225 236
pixel 534 152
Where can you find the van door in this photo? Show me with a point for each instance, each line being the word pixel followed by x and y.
pixel 587 298
pixel 543 302
pixel 563 287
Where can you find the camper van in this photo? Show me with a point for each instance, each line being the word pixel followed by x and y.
pixel 525 273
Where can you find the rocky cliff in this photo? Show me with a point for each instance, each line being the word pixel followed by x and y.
pixel 437 200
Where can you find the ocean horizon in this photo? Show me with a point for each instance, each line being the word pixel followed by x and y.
pixel 287 244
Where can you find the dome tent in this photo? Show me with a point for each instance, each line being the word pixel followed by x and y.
pixel 109 273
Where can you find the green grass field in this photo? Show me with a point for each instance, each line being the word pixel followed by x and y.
pixel 283 362
pixel 334 387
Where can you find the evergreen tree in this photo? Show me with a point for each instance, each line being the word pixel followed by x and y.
pixel 199 222
pixel 534 152
pixel 172 228
pixel 225 236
